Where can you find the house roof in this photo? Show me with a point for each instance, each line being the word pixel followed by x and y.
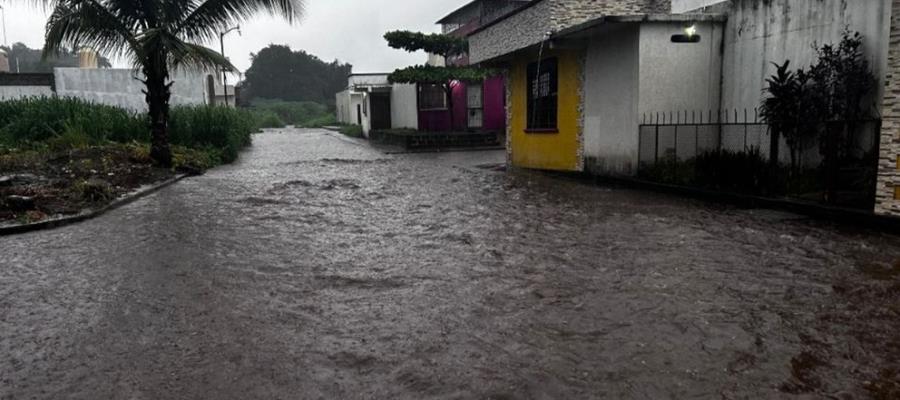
pixel 447 18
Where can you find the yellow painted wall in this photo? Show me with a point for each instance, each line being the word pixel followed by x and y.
pixel 549 151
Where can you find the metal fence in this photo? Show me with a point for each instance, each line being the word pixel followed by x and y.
pixel 670 143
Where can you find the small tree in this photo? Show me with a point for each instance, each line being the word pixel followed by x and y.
pixel 443 45
pixel 156 37
pixel 787 109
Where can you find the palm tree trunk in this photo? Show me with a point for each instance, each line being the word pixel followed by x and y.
pixel 157 95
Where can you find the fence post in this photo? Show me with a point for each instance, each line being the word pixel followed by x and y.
pixel 656 146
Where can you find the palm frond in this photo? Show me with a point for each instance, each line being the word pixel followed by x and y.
pixel 86 23
pixel 191 56
pixel 211 16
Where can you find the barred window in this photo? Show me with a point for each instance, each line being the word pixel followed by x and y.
pixel 432 97
pixel 543 94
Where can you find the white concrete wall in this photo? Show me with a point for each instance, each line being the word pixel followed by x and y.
pixel 679 76
pixel 636 69
pixel 681 6
pixel 118 87
pixel 18 92
pixel 404 110
pixel 611 101
pixel 342 106
pixel 761 32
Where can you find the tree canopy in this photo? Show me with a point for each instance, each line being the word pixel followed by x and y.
pixel 278 72
pixel 438 75
pixel 30 60
pixel 434 43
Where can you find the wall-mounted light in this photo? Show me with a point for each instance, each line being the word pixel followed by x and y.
pixel 689 36
pixel 691 30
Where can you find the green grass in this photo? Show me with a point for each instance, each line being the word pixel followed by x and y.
pixel 51 123
pixel 303 114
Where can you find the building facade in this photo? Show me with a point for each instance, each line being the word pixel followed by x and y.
pixel 607 65
pixel 373 103
pixel 579 85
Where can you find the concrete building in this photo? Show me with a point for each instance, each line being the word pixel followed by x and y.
pixel 611 62
pixel 373 103
pixel 761 32
pixel 477 106
pixel 580 74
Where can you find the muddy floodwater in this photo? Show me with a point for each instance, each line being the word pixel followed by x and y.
pixel 318 267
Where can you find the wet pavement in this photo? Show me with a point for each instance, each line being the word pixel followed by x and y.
pixel 318 267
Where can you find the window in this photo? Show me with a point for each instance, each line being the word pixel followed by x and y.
pixel 475 105
pixel 543 93
pixel 432 97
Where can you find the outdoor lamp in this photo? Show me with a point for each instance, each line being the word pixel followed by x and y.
pixel 689 36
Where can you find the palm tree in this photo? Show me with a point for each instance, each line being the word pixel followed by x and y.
pixel 156 36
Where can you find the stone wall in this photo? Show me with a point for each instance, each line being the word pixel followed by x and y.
pixel 887 200
pixel 531 24
pixel 568 13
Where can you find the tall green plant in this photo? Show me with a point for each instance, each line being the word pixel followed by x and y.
pixel 157 36
pixel 828 100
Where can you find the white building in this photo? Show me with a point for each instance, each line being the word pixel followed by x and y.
pixel 373 103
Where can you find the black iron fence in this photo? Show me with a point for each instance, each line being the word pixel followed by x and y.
pixel 834 162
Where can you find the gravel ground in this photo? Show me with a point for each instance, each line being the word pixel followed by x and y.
pixel 318 267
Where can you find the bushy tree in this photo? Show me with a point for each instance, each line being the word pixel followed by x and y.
pixel 278 72
pixel 157 36
pixel 445 77
pixel 825 100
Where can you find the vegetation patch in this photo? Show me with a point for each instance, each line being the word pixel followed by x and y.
pixel 302 114
pixel 352 131
pixel 59 156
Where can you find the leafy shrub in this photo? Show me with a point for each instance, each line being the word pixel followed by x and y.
pixel 66 123
pixel 352 130
pixel 268 119
pixel 735 171
pixel 731 171
pixel 38 119
pixel 222 128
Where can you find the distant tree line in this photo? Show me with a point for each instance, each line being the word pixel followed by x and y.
pixel 29 60
pixel 277 72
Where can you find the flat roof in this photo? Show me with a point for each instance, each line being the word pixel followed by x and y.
pixel 640 18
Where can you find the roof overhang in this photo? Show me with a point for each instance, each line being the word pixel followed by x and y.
pixel 606 25
pixel 638 19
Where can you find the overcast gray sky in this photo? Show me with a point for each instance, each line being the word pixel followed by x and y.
pixel 349 30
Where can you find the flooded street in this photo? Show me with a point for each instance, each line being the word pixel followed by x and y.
pixel 317 267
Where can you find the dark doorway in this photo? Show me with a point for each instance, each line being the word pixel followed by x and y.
pixel 381 111
pixel 359 114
